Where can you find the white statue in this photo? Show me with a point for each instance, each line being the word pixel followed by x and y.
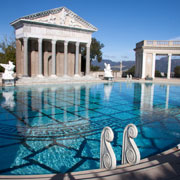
pixel 9 70
pixel 130 76
pixel 107 71
pixel 130 152
pixel 63 17
pixel 107 156
pixel 51 19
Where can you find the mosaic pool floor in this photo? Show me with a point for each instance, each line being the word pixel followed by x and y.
pixel 56 128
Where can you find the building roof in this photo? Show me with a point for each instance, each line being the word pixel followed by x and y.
pixel 62 17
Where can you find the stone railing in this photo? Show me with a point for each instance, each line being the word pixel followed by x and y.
pixel 100 74
pixel 157 43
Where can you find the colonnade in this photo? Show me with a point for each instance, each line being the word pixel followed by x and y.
pixel 53 70
pixel 154 64
pixel 146 52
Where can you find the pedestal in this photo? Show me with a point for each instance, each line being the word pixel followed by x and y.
pixel 8 82
pixel 108 78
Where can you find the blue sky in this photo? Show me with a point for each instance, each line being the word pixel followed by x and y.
pixel 121 23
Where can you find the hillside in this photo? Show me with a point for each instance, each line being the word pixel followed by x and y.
pixel 114 65
pixel 161 65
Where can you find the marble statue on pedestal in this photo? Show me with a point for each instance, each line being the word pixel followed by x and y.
pixel 9 71
pixel 107 156
pixel 108 72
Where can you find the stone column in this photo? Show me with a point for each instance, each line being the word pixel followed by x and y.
pixel 53 58
pixel 77 59
pixel 40 57
pixel 153 65
pixel 143 65
pixel 169 66
pixel 65 57
pixel 25 56
pixel 87 58
pixel 120 69
pixel 18 58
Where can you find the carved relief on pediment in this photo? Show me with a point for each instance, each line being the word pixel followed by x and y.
pixel 62 18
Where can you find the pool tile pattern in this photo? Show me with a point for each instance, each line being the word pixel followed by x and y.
pixel 56 129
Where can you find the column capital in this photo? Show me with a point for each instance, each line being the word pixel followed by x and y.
pixel 77 43
pixel 66 43
pixel 25 38
pixel 53 41
pixel 169 54
pixel 88 45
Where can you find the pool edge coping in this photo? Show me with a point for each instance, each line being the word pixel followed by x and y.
pixel 90 174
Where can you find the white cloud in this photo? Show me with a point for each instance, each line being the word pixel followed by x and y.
pixel 110 57
pixel 124 57
pixel 175 39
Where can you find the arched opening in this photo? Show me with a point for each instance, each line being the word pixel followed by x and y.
pixel 47 58
pixel 49 66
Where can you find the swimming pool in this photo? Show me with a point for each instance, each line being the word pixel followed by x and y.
pixel 56 128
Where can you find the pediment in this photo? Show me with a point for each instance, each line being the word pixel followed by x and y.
pixel 61 17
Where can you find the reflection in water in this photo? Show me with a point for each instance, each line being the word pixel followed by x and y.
pixel 167 96
pixel 107 90
pixel 8 94
pixel 147 94
pixel 58 128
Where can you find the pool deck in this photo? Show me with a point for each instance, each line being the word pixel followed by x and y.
pixel 35 81
pixel 163 166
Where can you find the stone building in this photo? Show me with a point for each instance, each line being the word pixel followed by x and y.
pixel 146 52
pixel 49 43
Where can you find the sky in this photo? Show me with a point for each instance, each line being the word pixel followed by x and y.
pixel 121 23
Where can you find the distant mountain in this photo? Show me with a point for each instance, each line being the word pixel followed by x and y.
pixel 161 65
pixel 114 65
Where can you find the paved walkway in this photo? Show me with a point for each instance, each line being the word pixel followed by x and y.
pixel 164 166
pixel 32 81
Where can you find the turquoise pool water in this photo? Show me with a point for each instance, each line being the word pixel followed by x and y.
pixel 56 128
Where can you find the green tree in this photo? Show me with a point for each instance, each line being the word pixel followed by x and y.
pixel 157 73
pixel 7 50
pixel 177 71
pixel 95 50
pixel 94 68
pixel 96 53
pixel 131 71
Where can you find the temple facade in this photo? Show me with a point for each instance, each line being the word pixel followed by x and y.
pixel 49 43
pixel 146 52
